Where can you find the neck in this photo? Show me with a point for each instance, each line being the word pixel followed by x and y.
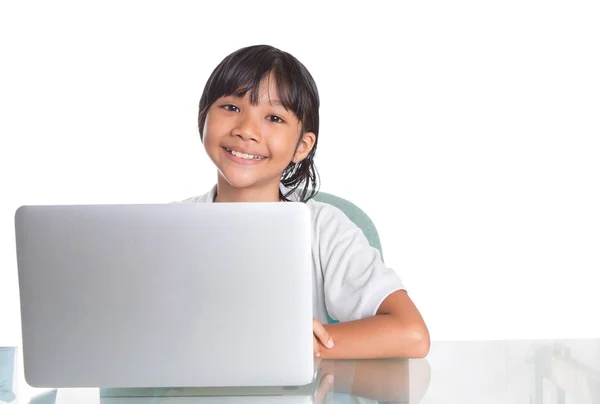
pixel 263 193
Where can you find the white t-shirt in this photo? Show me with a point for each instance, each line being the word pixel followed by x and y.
pixel 350 280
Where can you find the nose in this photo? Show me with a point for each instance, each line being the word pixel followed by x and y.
pixel 248 127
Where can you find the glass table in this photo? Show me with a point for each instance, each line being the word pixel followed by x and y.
pixel 528 372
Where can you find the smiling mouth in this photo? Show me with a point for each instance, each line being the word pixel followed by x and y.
pixel 243 155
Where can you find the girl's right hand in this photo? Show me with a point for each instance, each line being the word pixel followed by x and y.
pixel 320 337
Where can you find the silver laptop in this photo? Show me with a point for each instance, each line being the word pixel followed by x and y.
pixel 305 394
pixel 170 295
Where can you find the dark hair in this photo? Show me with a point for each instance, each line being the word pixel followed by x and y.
pixel 241 72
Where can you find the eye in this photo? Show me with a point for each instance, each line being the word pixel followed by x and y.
pixel 275 118
pixel 230 107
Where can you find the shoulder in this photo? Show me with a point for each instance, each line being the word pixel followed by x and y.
pixel 325 214
pixel 194 199
pixel 204 198
pixel 331 226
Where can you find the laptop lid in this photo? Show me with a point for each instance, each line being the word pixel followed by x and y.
pixel 175 295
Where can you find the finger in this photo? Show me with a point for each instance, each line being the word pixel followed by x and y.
pixel 322 335
pixel 325 386
pixel 316 347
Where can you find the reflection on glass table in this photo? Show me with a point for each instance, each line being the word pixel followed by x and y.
pixel 7 375
pixel 563 376
pixel 514 372
pixel 362 381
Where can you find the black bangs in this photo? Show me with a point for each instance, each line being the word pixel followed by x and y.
pixel 242 72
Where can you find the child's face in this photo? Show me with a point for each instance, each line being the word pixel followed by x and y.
pixel 251 145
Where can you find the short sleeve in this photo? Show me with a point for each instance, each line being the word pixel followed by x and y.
pixel 355 279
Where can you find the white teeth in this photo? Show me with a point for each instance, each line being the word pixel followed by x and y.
pixel 244 155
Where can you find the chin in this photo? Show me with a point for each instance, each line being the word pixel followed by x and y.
pixel 239 182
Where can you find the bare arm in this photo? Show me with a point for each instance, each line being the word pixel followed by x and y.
pixel 396 331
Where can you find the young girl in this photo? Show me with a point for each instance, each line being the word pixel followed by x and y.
pixel 259 123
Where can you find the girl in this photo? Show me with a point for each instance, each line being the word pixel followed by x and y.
pixel 259 123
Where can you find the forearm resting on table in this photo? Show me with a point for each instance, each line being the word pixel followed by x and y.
pixel 396 331
pixel 380 336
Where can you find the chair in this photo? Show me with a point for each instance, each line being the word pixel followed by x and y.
pixel 358 216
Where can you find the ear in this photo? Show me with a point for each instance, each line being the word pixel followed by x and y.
pixel 305 145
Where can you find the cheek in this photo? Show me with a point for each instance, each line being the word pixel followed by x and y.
pixel 284 144
pixel 210 131
pixel 211 142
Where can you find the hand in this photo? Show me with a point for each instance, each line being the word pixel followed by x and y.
pixel 320 337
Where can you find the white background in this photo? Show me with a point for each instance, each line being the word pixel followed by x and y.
pixel 468 131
